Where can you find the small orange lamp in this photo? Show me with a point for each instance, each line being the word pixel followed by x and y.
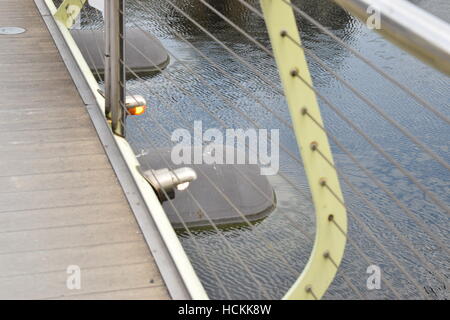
pixel 136 105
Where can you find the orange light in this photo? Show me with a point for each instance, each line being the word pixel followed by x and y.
pixel 137 111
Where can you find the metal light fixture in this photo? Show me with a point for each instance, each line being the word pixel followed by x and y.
pixel 165 181
pixel 11 30
pixel 136 105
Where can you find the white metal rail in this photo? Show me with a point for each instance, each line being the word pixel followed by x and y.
pixel 412 28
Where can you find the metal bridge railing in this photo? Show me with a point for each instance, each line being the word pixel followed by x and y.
pixel 331 218
pixel 408 26
pixel 427 40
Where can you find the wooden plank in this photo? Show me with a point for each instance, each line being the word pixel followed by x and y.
pixel 30 263
pixel 12 5
pixel 38 114
pixel 53 104
pixel 52 181
pixel 110 211
pixel 18 201
pixel 53 285
pixel 34 44
pixel 16 167
pixel 79 236
pixel 146 293
pixel 17 9
pixel 80 131
pixel 34 57
pixel 11 70
pixel 31 98
pixel 16 12
pixel 17 4
pixel 22 92
pixel 64 121
pixel 21 76
pixel 50 150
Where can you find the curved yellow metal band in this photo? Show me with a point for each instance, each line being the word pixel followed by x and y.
pixel 68 11
pixel 330 242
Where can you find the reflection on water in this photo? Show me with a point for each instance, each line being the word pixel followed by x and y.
pixel 276 250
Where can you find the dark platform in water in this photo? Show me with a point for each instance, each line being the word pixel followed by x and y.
pixel 143 52
pixel 254 204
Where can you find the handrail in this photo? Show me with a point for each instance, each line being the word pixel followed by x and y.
pixel 408 26
pixel 331 216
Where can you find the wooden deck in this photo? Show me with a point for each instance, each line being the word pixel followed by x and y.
pixel 60 201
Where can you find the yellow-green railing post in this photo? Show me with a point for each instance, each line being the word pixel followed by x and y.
pixel 331 218
pixel 68 11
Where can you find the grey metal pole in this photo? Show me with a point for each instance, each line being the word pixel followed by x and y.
pixel 107 36
pixel 117 66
